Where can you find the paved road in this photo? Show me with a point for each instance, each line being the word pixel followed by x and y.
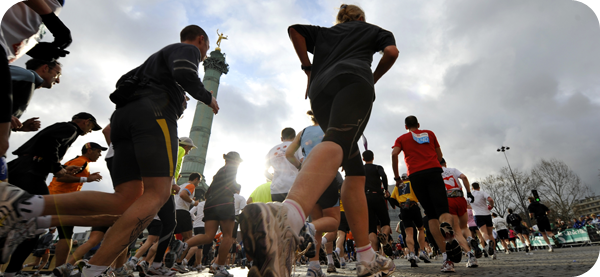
pixel 562 262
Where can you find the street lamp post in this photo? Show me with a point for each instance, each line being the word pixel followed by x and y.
pixel 503 149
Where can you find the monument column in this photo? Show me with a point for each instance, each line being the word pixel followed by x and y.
pixel 214 67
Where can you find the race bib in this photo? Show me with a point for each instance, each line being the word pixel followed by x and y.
pixel 421 138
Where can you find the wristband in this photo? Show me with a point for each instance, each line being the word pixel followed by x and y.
pixel 306 67
pixel 82 179
pixel 397 178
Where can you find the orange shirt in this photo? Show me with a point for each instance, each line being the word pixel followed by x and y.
pixel 349 236
pixel 57 187
pixel 218 238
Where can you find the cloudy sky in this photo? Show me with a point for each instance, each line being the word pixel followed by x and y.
pixel 480 74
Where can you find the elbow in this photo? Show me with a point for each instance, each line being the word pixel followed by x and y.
pixel 391 51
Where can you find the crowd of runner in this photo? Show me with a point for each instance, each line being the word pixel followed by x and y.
pixel 307 212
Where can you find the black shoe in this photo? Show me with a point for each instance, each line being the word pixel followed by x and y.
pixel 336 260
pixel 453 251
pixel 476 249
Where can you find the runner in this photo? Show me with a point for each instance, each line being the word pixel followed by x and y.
pixel 520 227
pixel 42 251
pixel 261 194
pixel 422 155
pixel 501 228
pixel 475 233
pixel 284 173
pixel 410 214
pixel 326 213
pixel 458 208
pixel 540 212
pixel 183 202
pixel 20 32
pixel 90 153
pixel 341 89
pixel 219 211
pixel 197 214
pixel 482 204
pixel 240 204
pixel 146 173
pixel 378 213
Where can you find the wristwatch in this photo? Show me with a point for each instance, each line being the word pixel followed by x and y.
pixel 397 178
pixel 306 67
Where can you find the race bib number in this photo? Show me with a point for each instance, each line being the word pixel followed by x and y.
pixel 420 138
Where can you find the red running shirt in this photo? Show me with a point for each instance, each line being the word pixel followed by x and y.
pixel 417 156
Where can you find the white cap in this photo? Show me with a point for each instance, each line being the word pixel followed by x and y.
pixel 187 141
pixel 404 175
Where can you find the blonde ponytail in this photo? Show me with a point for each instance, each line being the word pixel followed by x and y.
pixel 349 13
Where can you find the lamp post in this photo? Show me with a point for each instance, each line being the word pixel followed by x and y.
pixel 503 149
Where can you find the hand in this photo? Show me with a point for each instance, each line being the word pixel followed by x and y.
pixel 62 34
pixel 15 123
pixel 60 173
pixel 175 188
pixel 470 196
pixel 32 124
pixel 400 184
pixel 196 203
pixel 71 169
pixel 387 194
pixel 214 104
pixel 95 177
pixel 47 51
pixel 490 207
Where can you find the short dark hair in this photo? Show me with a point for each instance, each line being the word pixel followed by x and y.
pixel 288 133
pixel 191 32
pixel 368 155
pixel 34 64
pixel 475 185
pixel 494 214
pixel 194 176
pixel 531 199
pixel 411 121
pixel 510 211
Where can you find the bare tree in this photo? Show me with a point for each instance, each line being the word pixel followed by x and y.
pixel 519 185
pixel 559 186
pixel 498 190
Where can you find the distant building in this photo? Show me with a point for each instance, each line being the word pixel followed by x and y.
pixel 81 237
pixel 587 206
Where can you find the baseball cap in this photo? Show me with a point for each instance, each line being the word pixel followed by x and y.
pixel 404 175
pixel 443 161
pixel 187 141
pixel 233 156
pixel 84 115
pixel 93 145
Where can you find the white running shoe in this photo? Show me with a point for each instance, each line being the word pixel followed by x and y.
pixel 269 238
pixel 424 256
pixel 175 250
pixel 10 196
pixel 180 268
pixel 448 266
pixel 142 268
pixel 331 268
pixel 379 264
pixel 412 259
pixel 63 270
pixel 315 272
pixel 161 271
pixel 221 271
pixel 471 260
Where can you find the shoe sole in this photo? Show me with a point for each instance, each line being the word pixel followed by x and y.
pixel 258 223
pixel 413 263
pixel 476 249
pixel 140 270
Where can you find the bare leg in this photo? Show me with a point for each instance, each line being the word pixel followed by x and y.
pixel 63 249
pixel 339 243
pixel 410 244
pixel 191 253
pixel 4 135
pixel 149 242
pixel 136 218
pixel 122 258
pixel 456 225
pixel 227 229
pixel 211 227
pixel 93 240
pixel 434 227
pixel 151 253
pixel 84 220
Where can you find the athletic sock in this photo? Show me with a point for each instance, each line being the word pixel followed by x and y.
pixel 184 262
pixel 314 264
pixel 342 260
pixel 93 270
pixel 185 247
pixel 134 259
pixel 44 222
pixel 323 240
pixel 365 253
pixel 32 207
pixel 295 215
pixel 156 264
pixel 338 250
pixel 329 258
pixel 444 256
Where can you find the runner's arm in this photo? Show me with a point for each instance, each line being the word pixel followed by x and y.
pixel 490 201
pixel 395 152
pixel 466 183
pixel 383 176
pixel 299 43
pixel 291 151
pixel 249 201
pixel 185 195
pixel 390 54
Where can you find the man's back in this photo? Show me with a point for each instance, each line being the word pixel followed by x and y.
pixel 480 205
pixel 374 177
pixel 284 172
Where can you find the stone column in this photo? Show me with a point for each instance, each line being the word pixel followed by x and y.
pixel 214 67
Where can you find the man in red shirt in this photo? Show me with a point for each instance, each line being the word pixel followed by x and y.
pixel 422 155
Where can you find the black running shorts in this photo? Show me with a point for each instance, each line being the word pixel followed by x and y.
pixel 154 228
pixel 481 220
pixel 343 109
pixel 522 230
pixel 430 189
pixel 144 136
pixel 378 213
pixel 344 227
pixel 502 234
pixel 65 232
pixel 411 217
pixel 543 224
pixel 184 221
pixel 219 211
pixel 330 197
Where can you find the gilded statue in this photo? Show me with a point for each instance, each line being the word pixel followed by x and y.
pixel 221 37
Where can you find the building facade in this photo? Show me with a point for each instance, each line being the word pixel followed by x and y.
pixel 587 206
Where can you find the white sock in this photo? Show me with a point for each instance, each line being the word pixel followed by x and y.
pixel 214 265
pixel 134 259
pixel 444 256
pixel 184 261
pixel 92 270
pixel 295 215
pixel 323 240
pixel 365 253
pixel 185 246
pixel 329 258
pixel 32 207
pixel 338 250
pixel 314 264
pixel 156 264
pixel 44 221
pixel 342 260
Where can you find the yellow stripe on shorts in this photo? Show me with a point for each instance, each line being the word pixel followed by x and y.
pixel 163 125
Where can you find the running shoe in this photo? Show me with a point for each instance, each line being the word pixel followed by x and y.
pixel 378 265
pixel 453 251
pixel 268 238
pixel 423 256
pixel 506 251
pixel 475 247
pixel 21 231
pixel 447 231
pixel 494 256
pixel 526 249
pixel 10 197
pixel 448 266
pixel 63 270
pixel 222 272
pixel 180 268
pixel 175 250
pixel 120 272
pixel 129 269
pixel 387 247
pixel 550 249
pixel 161 271
pixel 412 259
pixel 342 263
pixel 471 260
pixel 315 272
pixel 336 259
pixel 491 246
pixel 131 264
pixel 331 268
pixel 142 268
pixel 308 235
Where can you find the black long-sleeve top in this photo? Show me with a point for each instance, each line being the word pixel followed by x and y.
pixel 375 176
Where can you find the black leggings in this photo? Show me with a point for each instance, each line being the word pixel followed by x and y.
pixel 169 222
pixel 428 186
pixel 343 109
